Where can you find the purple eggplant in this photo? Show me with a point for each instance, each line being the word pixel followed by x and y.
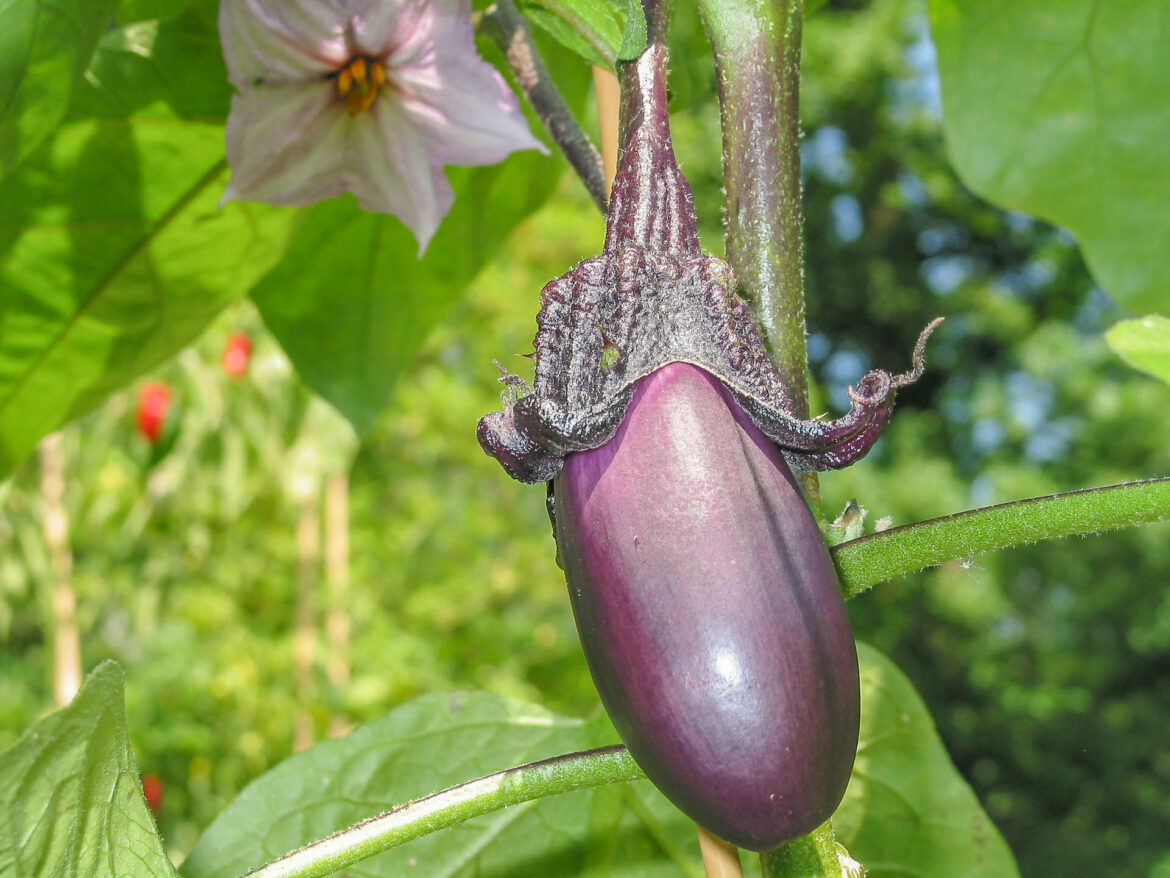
pixel 706 601
pixel 710 612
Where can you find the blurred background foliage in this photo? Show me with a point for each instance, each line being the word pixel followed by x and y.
pixel 1047 668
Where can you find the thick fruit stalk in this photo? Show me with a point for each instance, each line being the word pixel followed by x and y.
pixel 710 612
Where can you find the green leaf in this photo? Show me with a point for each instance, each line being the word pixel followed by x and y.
pixel 114 257
pixel 1144 344
pixel 44 47
pixel 564 33
pixel 601 31
pixel 435 742
pixel 1058 108
pixel 351 303
pixel 908 811
pixel 633 31
pixel 130 11
pixel 113 253
pixel 71 800
pixel 176 63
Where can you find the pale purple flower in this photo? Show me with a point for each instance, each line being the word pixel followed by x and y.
pixel 371 97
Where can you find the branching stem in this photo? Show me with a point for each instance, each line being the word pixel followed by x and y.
pixel 455 805
pixel 504 24
pixel 864 562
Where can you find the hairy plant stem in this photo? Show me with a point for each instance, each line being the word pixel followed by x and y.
pixel 504 24
pixel 449 807
pixel 757 62
pixel 863 563
pixel 756 44
pixel 812 856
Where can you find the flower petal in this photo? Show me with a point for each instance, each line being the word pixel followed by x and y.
pixel 281 41
pixel 442 24
pixel 459 101
pixel 286 144
pixel 472 127
pixel 390 169
pixel 378 26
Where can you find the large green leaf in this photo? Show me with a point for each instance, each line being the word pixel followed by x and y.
pixel 351 302
pixel 115 256
pixel 907 812
pixel 1058 108
pixel 44 47
pixel 1144 344
pixel 438 741
pixel 71 800
pixel 144 10
pixel 113 251
pixel 176 62
pixel 600 31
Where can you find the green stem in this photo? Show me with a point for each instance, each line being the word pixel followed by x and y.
pixel 811 856
pixel 757 61
pixel 449 807
pixel 865 562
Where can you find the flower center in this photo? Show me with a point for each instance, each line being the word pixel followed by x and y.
pixel 358 82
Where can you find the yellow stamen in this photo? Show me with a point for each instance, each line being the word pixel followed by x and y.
pixel 358 68
pixel 358 82
pixel 357 102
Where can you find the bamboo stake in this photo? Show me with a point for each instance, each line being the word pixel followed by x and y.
pixel 304 636
pixel 337 625
pixel 608 94
pixel 66 637
pixel 720 859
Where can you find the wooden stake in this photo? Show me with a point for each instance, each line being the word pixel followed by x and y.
pixel 337 577
pixel 304 636
pixel 720 859
pixel 608 95
pixel 55 527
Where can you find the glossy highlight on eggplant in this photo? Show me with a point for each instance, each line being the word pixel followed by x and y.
pixel 710 612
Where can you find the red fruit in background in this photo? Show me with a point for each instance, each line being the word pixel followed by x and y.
pixel 236 354
pixel 152 789
pixel 154 401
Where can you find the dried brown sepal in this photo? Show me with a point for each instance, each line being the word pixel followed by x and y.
pixel 653 298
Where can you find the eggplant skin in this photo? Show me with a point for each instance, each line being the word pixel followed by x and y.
pixel 710 613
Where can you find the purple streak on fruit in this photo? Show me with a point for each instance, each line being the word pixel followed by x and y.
pixel 710 612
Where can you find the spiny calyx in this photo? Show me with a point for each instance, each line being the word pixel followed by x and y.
pixel 650 299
